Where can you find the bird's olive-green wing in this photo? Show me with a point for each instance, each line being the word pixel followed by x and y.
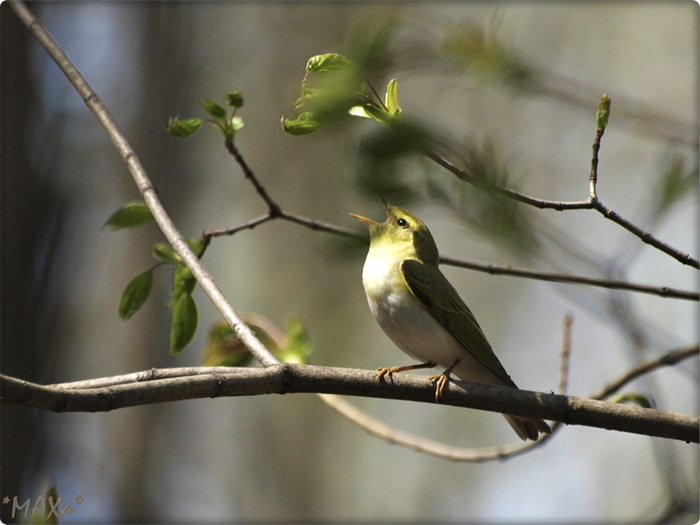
pixel 436 294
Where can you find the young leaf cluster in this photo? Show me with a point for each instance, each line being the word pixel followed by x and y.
pixel 219 116
pixel 183 323
pixel 333 88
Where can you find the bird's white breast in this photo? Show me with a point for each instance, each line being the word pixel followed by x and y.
pixel 407 323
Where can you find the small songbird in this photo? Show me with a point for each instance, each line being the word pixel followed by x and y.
pixel 422 313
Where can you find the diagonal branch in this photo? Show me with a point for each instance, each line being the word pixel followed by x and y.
pixel 669 359
pixel 145 186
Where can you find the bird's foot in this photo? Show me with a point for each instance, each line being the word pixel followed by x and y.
pixel 381 372
pixel 442 380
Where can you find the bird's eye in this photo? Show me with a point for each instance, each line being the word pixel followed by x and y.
pixel 403 223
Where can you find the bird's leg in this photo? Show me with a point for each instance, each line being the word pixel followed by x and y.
pixel 381 372
pixel 442 380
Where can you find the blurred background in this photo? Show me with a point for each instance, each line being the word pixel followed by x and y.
pixel 511 90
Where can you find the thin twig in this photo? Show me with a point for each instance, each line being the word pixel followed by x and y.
pixel 248 225
pixel 321 226
pixel 668 359
pixel 588 204
pixel 593 177
pixel 511 194
pixel 273 207
pixel 565 352
pixel 496 269
pixel 493 269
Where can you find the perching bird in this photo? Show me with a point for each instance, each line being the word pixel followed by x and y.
pixel 422 313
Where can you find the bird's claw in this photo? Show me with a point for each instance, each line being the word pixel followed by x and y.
pixel 381 372
pixel 442 380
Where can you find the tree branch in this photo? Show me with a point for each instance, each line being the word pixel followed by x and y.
pixel 592 203
pixel 161 386
pixel 496 269
pixel 145 186
pixel 276 212
pixel 158 386
pixel 644 368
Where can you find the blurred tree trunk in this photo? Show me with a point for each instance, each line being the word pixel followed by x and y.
pixel 30 213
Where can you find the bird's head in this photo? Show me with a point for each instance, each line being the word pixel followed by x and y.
pixel 403 233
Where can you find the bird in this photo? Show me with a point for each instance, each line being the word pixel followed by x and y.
pixel 422 313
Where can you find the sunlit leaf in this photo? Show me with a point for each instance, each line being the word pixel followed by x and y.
pixel 392 99
pixel 236 123
pixel 135 294
pixel 327 62
pixel 303 125
pixel 297 348
pixel 132 215
pixel 371 111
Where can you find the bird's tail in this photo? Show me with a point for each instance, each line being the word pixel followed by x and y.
pixel 528 428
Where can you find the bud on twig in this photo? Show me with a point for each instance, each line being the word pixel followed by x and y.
pixel 603 112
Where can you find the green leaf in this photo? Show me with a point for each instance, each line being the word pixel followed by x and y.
pixel 165 253
pixel 303 125
pixel 327 62
pixel 132 215
pixel 183 323
pixel 183 281
pixel 234 98
pixel 392 99
pixel 297 349
pixel 371 111
pixel 214 109
pixel 183 128
pixel 135 294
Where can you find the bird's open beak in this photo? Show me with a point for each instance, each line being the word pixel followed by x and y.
pixel 368 222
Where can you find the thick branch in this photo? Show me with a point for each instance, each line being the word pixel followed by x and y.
pixel 289 379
